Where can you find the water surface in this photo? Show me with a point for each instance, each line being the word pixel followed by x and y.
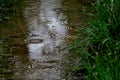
pixel 46 31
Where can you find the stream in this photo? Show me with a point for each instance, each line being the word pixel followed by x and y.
pixel 46 32
pixel 36 38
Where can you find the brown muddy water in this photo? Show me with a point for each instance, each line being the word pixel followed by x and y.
pixel 37 34
pixel 46 33
pixel 36 55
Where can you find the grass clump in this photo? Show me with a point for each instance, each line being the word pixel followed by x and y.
pixel 8 3
pixel 9 6
pixel 6 59
pixel 100 46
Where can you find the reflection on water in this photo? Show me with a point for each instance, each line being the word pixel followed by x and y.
pixel 46 32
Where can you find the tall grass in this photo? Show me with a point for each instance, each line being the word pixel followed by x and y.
pixel 6 59
pixel 100 46
pixel 9 6
pixel 7 3
pixel 8 9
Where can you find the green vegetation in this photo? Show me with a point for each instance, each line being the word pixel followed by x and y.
pixel 8 3
pixel 99 46
pixel 9 6
pixel 6 59
pixel 8 12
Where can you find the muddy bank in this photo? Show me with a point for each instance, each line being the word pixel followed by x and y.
pixel 78 13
